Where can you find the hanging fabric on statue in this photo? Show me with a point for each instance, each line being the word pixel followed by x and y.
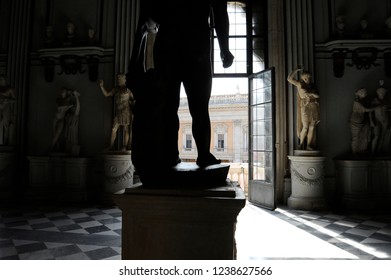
pixel 148 49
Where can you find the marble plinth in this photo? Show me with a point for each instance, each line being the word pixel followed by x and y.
pixel 118 174
pixel 363 184
pixel 174 224
pixel 307 176
pixel 118 170
pixel 59 177
pixel 8 182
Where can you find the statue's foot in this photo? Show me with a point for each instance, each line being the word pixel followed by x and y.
pixel 203 161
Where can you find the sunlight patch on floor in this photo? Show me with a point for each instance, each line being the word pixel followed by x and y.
pixel 260 235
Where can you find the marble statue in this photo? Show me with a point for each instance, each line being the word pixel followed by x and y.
pixel 70 34
pixel 360 123
pixel 66 123
pixel 91 37
pixel 72 126
pixel 181 56
pixel 340 25
pixel 364 29
pixel 123 110
pixel 7 111
pixel 308 115
pixel 50 38
pixel 380 122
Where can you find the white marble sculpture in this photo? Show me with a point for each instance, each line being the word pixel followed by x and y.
pixel 380 122
pixel 123 114
pixel 66 123
pixel 359 123
pixel 340 26
pixel 308 115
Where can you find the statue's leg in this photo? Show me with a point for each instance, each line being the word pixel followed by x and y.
pixel 304 134
pixel 58 128
pixel 114 134
pixel 198 85
pixel 126 140
pixel 6 134
pixel 310 136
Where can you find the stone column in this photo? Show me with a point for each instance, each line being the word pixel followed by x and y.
pixel 300 51
pixel 277 59
pixel 307 173
pixel 127 17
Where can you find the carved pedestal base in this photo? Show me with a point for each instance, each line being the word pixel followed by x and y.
pixel 118 174
pixel 307 182
pixel 177 224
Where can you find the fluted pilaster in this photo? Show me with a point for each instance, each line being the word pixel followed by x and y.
pixel 127 17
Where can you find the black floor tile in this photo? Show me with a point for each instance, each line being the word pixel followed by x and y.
pixel 335 227
pixel 65 250
pixel 28 248
pixel 381 236
pixel 100 254
pixel 69 227
pixel 97 229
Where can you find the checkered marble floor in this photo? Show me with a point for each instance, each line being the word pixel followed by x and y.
pixel 94 233
pixel 65 233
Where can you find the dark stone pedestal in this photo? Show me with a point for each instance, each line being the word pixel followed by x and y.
pixel 363 184
pixel 184 175
pixel 8 175
pixel 180 224
pixel 59 177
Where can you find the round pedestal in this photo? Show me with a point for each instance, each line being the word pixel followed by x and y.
pixel 307 174
pixel 118 170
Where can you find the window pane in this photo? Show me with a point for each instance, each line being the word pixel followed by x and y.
pixel 237 18
pixel 239 51
pixel 188 141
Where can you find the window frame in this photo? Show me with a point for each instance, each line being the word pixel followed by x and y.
pixel 250 37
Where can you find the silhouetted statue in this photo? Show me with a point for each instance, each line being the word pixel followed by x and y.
pixel 181 40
